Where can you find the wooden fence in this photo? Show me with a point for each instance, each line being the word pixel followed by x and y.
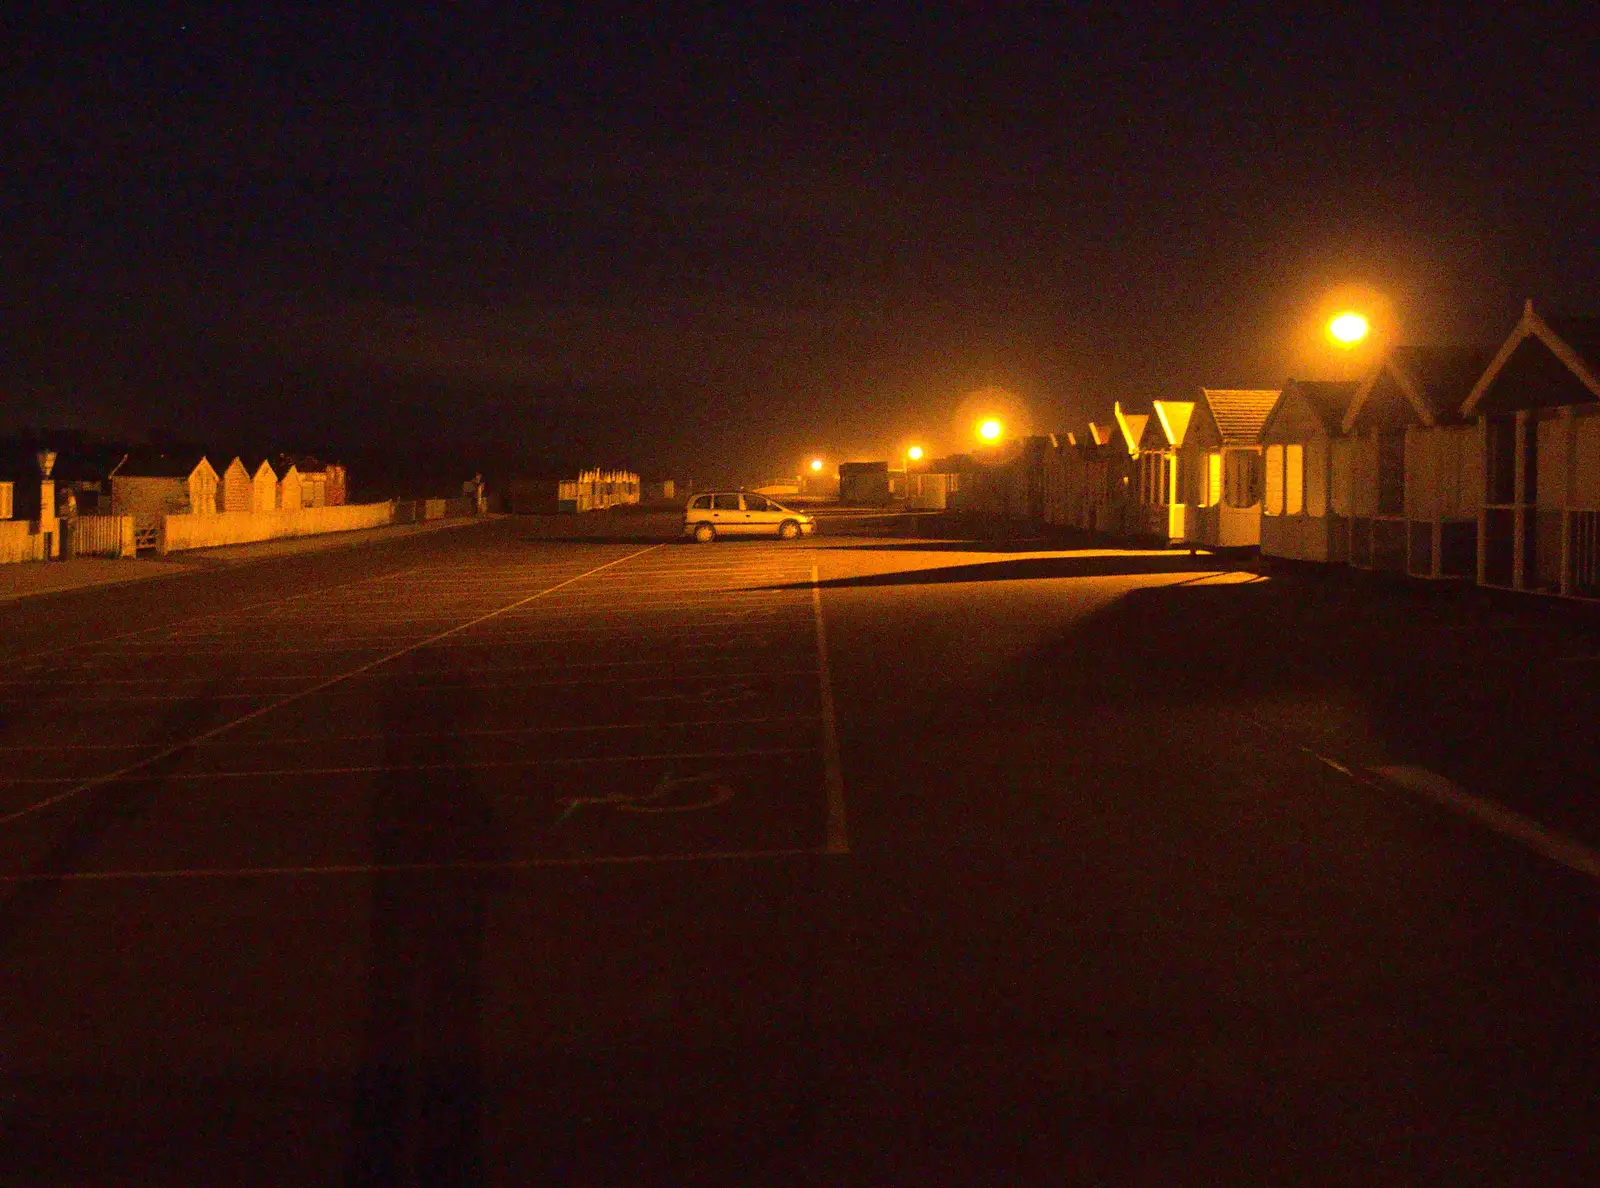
pixel 98 536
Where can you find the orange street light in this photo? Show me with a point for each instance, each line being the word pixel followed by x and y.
pixel 914 453
pixel 816 465
pixel 1348 328
pixel 990 430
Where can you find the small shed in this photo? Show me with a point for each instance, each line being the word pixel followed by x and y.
pixel 150 484
pixel 865 483
pixel 1309 519
pixel 1220 466
pixel 1415 463
pixel 1161 480
pixel 1537 413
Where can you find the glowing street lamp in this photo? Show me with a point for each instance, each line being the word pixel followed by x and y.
pixel 990 430
pixel 816 466
pixel 915 453
pixel 1348 328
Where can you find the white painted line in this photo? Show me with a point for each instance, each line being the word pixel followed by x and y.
pixel 365 868
pixel 284 740
pixel 836 835
pixel 99 704
pixel 238 610
pixel 110 777
pixel 485 671
pixel 1557 847
pixel 374 768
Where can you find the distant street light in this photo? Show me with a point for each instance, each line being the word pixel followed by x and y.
pixel 990 430
pixel 915 453
pixel 816 466
pixel 1347 329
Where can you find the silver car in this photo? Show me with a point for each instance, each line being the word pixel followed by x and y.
pixel 742 513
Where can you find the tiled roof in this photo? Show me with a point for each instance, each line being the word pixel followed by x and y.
pixel 1327 399
pixel 1240 412
pixel 1443 375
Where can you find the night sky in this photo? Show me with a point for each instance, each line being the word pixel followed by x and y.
pixel 714 243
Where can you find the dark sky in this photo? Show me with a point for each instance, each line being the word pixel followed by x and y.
pixel 714 242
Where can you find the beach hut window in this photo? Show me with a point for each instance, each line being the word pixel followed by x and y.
pixel 1294 481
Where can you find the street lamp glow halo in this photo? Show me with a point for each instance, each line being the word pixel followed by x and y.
pixel 989 429
pixel 816 464
pixel 915 453
pixel 1348 328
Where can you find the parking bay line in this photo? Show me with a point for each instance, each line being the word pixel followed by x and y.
pixel 836 838
pixel 486 671
pixel 487 732
pixel 1446 793
pixel 1557 847
pixel 394 868
pixel 111 777
pixel 375 768
pixel 101 703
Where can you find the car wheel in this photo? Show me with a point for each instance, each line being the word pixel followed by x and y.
pixel 705 533
pixel 788 530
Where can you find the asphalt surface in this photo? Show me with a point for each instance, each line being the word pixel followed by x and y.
pixel 496 857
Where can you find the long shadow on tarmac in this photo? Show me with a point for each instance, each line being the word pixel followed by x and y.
pixel 417 1114
pixel 1026 569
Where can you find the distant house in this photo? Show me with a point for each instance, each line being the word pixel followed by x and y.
pixel 1161 481
pixel 1416 465
pixel 1537 413
pixel 865 483
pixel 1309 517
pixel 1220 465
pixel 150 484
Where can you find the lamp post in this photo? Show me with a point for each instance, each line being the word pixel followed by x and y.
pixel 49 526
pixel 913 454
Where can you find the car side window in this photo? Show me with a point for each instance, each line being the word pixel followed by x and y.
pixel 756 503
pixel 701 503
pixel 725 503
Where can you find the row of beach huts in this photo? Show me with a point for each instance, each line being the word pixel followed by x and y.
pixel 162 498
pixel 1442 462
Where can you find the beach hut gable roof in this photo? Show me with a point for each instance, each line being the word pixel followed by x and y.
pixel 1132 426
pixel 1573 341
pixel 1239 413
pixel 1325 401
